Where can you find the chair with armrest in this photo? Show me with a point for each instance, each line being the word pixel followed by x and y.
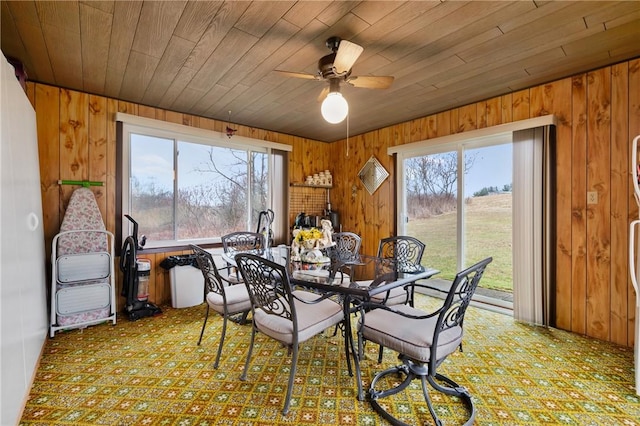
pixel 346 250
pixel 239 242
pixel 287 315
pixel 407 253
pixel 347 246
pixel 242 241
pixel 423 341
pixel 221 295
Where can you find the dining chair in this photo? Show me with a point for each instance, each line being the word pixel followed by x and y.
pixel 403 254
pixel 423 341
pixel 347 246
pixel 287 315
pixel 222 295
pixel 407 254
pixel 346 250
pixel 241 241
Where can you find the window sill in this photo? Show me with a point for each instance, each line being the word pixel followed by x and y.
pixel 177 247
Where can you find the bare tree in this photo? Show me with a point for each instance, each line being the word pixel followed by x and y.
pixel 232 191
pixel 436 174
pixel 234 174
pixel 431 182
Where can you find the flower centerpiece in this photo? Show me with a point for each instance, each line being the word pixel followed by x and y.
pixel 307 244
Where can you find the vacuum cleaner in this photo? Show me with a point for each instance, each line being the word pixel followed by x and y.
pixel 265 220
pixel 135 272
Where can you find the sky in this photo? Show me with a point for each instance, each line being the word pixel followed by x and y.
pixel 492 167
pixel 154 162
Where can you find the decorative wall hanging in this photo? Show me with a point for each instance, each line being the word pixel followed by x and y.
pixel 230 132
pixel 373 174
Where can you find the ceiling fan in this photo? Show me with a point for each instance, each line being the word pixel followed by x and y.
pixel 336 68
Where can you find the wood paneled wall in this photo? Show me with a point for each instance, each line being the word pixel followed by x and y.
pixel 598 116
pixel 77 141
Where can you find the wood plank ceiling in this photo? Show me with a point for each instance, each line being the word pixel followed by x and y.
pixel 211 57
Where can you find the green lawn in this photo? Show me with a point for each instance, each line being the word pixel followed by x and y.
pixel 488 229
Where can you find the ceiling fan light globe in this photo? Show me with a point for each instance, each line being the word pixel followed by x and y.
pixel 334 108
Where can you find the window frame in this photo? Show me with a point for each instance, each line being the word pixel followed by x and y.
pixel 460 148
pixel 129 124
pixel 459 143
pixel 455 142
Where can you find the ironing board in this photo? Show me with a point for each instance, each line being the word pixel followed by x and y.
pixel 83 275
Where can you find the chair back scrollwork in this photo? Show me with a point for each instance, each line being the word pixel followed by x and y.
pixel 347 246
pixel 212 281
pixel 242 241
pixel 407 251
pixel 458 299
pixel 268 285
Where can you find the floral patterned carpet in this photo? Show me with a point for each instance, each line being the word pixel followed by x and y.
pixel 151 372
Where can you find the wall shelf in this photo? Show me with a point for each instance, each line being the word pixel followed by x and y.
pixel 304 185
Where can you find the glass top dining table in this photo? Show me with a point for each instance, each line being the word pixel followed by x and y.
pixel 355 280
pixel 344 277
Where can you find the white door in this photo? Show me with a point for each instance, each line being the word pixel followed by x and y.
pixel 22 255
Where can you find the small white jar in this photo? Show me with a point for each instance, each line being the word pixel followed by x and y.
pixel 322 179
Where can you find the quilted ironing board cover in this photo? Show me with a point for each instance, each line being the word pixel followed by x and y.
pixel 82 213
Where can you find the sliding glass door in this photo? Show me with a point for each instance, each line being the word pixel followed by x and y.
pixel 431 199
pixel 487 214
pixel 457 199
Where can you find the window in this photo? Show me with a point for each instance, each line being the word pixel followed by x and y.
pixel 184 185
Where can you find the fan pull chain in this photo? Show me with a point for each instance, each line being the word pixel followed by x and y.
pixel 348 135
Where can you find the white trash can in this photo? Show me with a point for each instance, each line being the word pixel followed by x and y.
pixel 187 286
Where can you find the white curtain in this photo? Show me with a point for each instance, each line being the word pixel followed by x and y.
pixel 280 196
pixel 532 231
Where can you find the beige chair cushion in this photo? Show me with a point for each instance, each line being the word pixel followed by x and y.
pixel 312 319
pixel 412 337
pixel 237 300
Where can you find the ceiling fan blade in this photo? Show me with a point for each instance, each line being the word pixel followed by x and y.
pixel 371 82
pixel 323 94
pixel 299 75
pixel 346 56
